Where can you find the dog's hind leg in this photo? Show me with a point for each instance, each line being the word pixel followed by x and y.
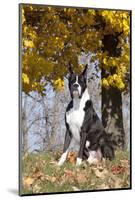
pixel 106 146
pixel 67 141
pixel 81 149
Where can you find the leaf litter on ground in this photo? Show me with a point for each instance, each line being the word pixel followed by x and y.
pixel 40 174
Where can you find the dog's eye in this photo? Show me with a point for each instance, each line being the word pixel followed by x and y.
pixel 72 78
pixel 81 79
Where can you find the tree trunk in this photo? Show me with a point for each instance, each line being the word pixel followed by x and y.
pixel 24 126
pixel 112 116
pixel 25 135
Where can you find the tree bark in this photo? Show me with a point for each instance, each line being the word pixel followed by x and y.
pixel 24 127
pixel 112 116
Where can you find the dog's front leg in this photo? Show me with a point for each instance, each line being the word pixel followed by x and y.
pixel 67 141
pixel 82 146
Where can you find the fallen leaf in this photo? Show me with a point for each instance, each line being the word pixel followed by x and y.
pixel 125 162
pixel 75 188
pixel 25 156
pixel 50 178
pixel 117 169
pixel 72 156
pixel 36 188
pixel 37 174
pixel 53 162
pixel 28 181
pixel 117 183
pixel 100 174
pixel 44 162
pixel 103 186
pixel 53 179
pixel 81 178
pixel 69 172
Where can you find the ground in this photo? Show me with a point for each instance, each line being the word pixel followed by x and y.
pixel 40 173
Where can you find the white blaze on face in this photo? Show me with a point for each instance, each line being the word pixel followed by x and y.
pixel 79 87
pixel 76 79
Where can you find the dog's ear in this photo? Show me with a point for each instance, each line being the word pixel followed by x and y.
pixel 84 73
pixel 70 69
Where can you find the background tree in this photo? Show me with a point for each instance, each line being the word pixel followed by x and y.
pixel 35 123
pixel 54 36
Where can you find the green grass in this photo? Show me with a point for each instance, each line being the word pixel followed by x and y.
pixel 40 174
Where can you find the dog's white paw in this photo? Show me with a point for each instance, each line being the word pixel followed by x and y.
pixel 79 161
pixel 63 158
pixel 59 163
pixel 95 157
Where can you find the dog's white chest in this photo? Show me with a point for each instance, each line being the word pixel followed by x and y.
pixel 75 117
pixel 75 120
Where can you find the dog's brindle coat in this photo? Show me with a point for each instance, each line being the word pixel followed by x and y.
pixel 84 125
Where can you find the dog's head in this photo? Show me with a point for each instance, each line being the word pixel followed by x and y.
pixel 77 83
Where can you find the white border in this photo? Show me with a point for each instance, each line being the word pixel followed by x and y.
pixel 9 97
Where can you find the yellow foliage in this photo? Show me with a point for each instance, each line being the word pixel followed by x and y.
pixel 105 60
pixel 23 17
pixel 92 12
pixel 113 81
pixel 59 84
pixel 117 20
pixel 105 83
pixel 25 78
pixel 58 37
pixel 28 43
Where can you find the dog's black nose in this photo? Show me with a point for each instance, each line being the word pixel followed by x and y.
pixel 76 85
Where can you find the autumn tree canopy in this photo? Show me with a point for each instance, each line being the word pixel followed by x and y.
pixel 54 36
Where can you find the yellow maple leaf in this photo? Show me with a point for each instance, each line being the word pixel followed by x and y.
pixel 59 84
pixel 28 43
pixel 25 78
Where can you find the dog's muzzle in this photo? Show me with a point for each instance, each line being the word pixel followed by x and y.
pixel 76 92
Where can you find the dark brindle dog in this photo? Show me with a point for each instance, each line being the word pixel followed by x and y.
pixel 83 124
